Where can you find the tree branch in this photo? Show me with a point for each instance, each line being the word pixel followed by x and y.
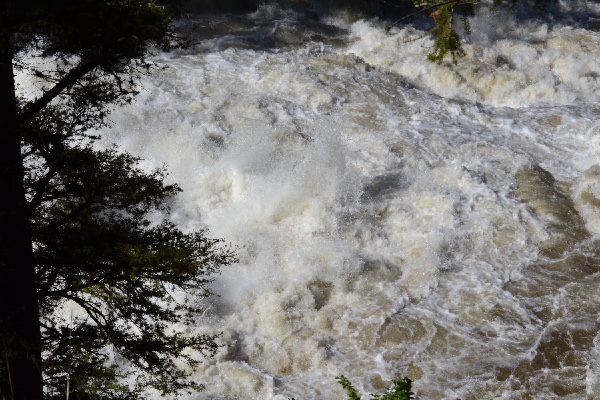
pixel 69 79
pixel 91 310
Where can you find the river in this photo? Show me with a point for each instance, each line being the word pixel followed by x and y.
pixel 394 217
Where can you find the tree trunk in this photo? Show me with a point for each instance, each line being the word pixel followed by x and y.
pixel 20 339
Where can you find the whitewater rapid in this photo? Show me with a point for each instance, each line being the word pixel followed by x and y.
pixel 394 217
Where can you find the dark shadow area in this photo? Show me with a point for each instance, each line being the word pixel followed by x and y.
pixel 579 14
pixel 292 24
pixel 384 185
pixel 270 27
pixel 221 6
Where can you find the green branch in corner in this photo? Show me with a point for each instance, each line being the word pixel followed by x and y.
pixel 400 390
pixel 446 39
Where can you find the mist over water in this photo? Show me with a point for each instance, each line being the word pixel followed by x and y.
pixel 395 217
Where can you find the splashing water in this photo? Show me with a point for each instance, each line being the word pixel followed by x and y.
pixel 395 217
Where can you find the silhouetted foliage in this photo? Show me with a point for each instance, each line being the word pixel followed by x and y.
pixel 129 278
pixel 80 227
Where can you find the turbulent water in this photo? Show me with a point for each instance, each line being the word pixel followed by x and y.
pixel 395 217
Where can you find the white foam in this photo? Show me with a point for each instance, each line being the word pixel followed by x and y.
pixel 377 222
pixel 506 63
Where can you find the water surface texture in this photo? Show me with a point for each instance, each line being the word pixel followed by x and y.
pixel 395 217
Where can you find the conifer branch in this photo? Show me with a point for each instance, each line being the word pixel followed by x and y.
pixel 72 77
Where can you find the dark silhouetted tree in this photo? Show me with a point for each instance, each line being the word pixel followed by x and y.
pixel 75 229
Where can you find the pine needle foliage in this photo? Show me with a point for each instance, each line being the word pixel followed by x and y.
pixel 446 39
pixel 400 390
pixel 95 221
pixel 96 249
pixel 347 385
